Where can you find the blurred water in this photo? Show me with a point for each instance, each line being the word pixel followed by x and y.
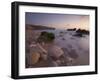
pixel 65 39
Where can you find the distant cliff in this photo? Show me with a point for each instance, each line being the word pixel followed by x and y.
pixel 38 27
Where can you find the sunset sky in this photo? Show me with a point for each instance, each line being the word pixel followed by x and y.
pixel 60 21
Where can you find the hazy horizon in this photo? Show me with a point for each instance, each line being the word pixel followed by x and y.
pixel 58 21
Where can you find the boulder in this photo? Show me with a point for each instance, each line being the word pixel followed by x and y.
pixel 35 57
pixel 55 52
pixel 44 56
pixel 54 63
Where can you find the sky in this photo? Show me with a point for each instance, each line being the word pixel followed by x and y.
pixel 58 21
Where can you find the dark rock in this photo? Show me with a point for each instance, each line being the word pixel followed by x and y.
pixel 78 35
pixel 74 29
pixel 46 37
pixel 82 31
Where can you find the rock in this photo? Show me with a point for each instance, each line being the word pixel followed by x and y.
pixel 35 57
pixel 73 54
pixel 70 59
pixel 44 56
pixel 78 35
pixel 58 62
pixel 54 64
pixel 63 38
pixel 55 52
